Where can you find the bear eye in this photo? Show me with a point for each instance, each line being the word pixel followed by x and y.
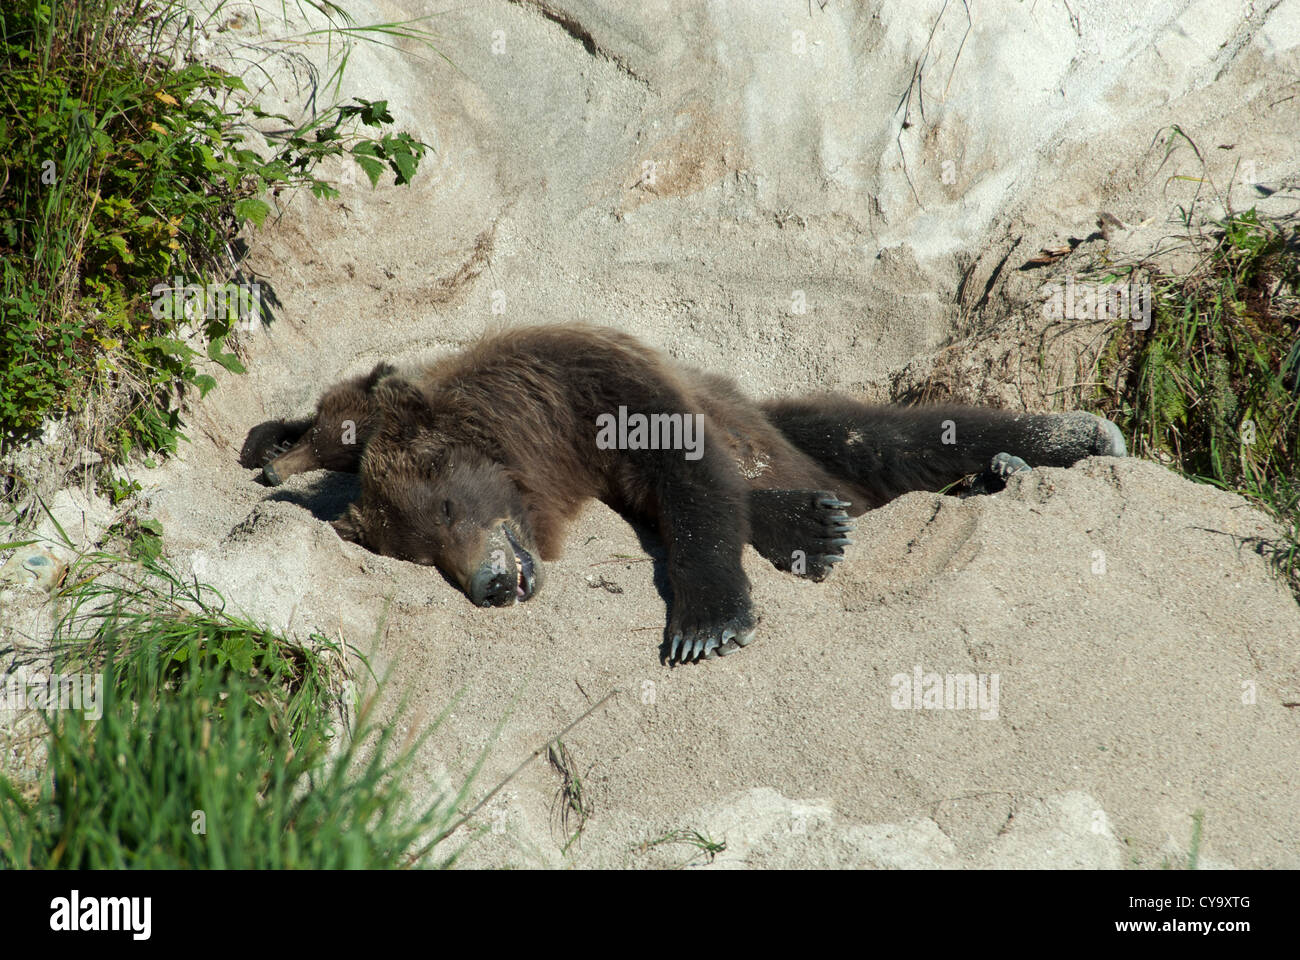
pixel 446 510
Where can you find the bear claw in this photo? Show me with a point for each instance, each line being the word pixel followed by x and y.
pixel 829 547
pixel 730 646
pixel 803 532
pixel 1005 465
pixel 710 647
pixel 834 504
pixel 993 479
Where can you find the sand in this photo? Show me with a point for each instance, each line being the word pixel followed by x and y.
pixel 733 183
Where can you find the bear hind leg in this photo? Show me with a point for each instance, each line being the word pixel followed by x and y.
pixel 882 452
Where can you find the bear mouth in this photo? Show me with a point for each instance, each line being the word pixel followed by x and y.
pixel 526 584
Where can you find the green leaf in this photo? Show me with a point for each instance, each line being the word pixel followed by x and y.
pixel 374 113
pixel 250 208
pixel 118 243
pixel 169 346
pixel 323 191
pixel 371 166
pixel 227 360
pixel 404 165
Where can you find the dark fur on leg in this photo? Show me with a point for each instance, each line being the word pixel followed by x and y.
pixel 703 521
pixel 884 452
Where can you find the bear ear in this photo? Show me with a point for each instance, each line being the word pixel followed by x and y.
pixel 398 398
pixel 349 525
pixel 404 413
pixel 381 371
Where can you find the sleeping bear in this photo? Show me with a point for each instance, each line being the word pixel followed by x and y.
pixel 476 464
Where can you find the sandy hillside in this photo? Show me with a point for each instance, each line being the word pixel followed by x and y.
pixel 690 173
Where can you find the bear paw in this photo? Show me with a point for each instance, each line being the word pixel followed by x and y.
pixel 803 532
pixel 993 479
pixel 1090 435
pixel 1004 465
pixel 705 638
pixel 271 439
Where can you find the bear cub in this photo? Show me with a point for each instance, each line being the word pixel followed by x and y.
pixel 477 463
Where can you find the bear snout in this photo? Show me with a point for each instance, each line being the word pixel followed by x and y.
pixel 489 589
pixel 300 458
pixel 507 573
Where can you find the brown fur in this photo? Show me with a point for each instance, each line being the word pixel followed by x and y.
pixel 479 461
pixel 332 440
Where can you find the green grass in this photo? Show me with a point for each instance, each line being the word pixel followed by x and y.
pixel 126 162
pixel 702 842
pixel 572 806
pixel 221 744
pixel 1212 388
pixel 146 625
pixel 203 774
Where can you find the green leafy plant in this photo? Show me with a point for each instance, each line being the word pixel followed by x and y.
pixel 125 178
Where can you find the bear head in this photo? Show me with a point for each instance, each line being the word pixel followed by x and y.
pixel 431 497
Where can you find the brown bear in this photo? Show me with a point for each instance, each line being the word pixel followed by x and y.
pixel 476 463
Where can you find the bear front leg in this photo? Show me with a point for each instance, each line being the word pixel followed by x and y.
pixel 271 439
pixel 704 524
pixel 803 532
pixel 299 458
pixel 332 439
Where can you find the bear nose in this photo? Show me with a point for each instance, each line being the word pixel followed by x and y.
pixel 489 589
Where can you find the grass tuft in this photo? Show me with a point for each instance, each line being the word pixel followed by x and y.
pixel 218 743
pixel 1212 387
